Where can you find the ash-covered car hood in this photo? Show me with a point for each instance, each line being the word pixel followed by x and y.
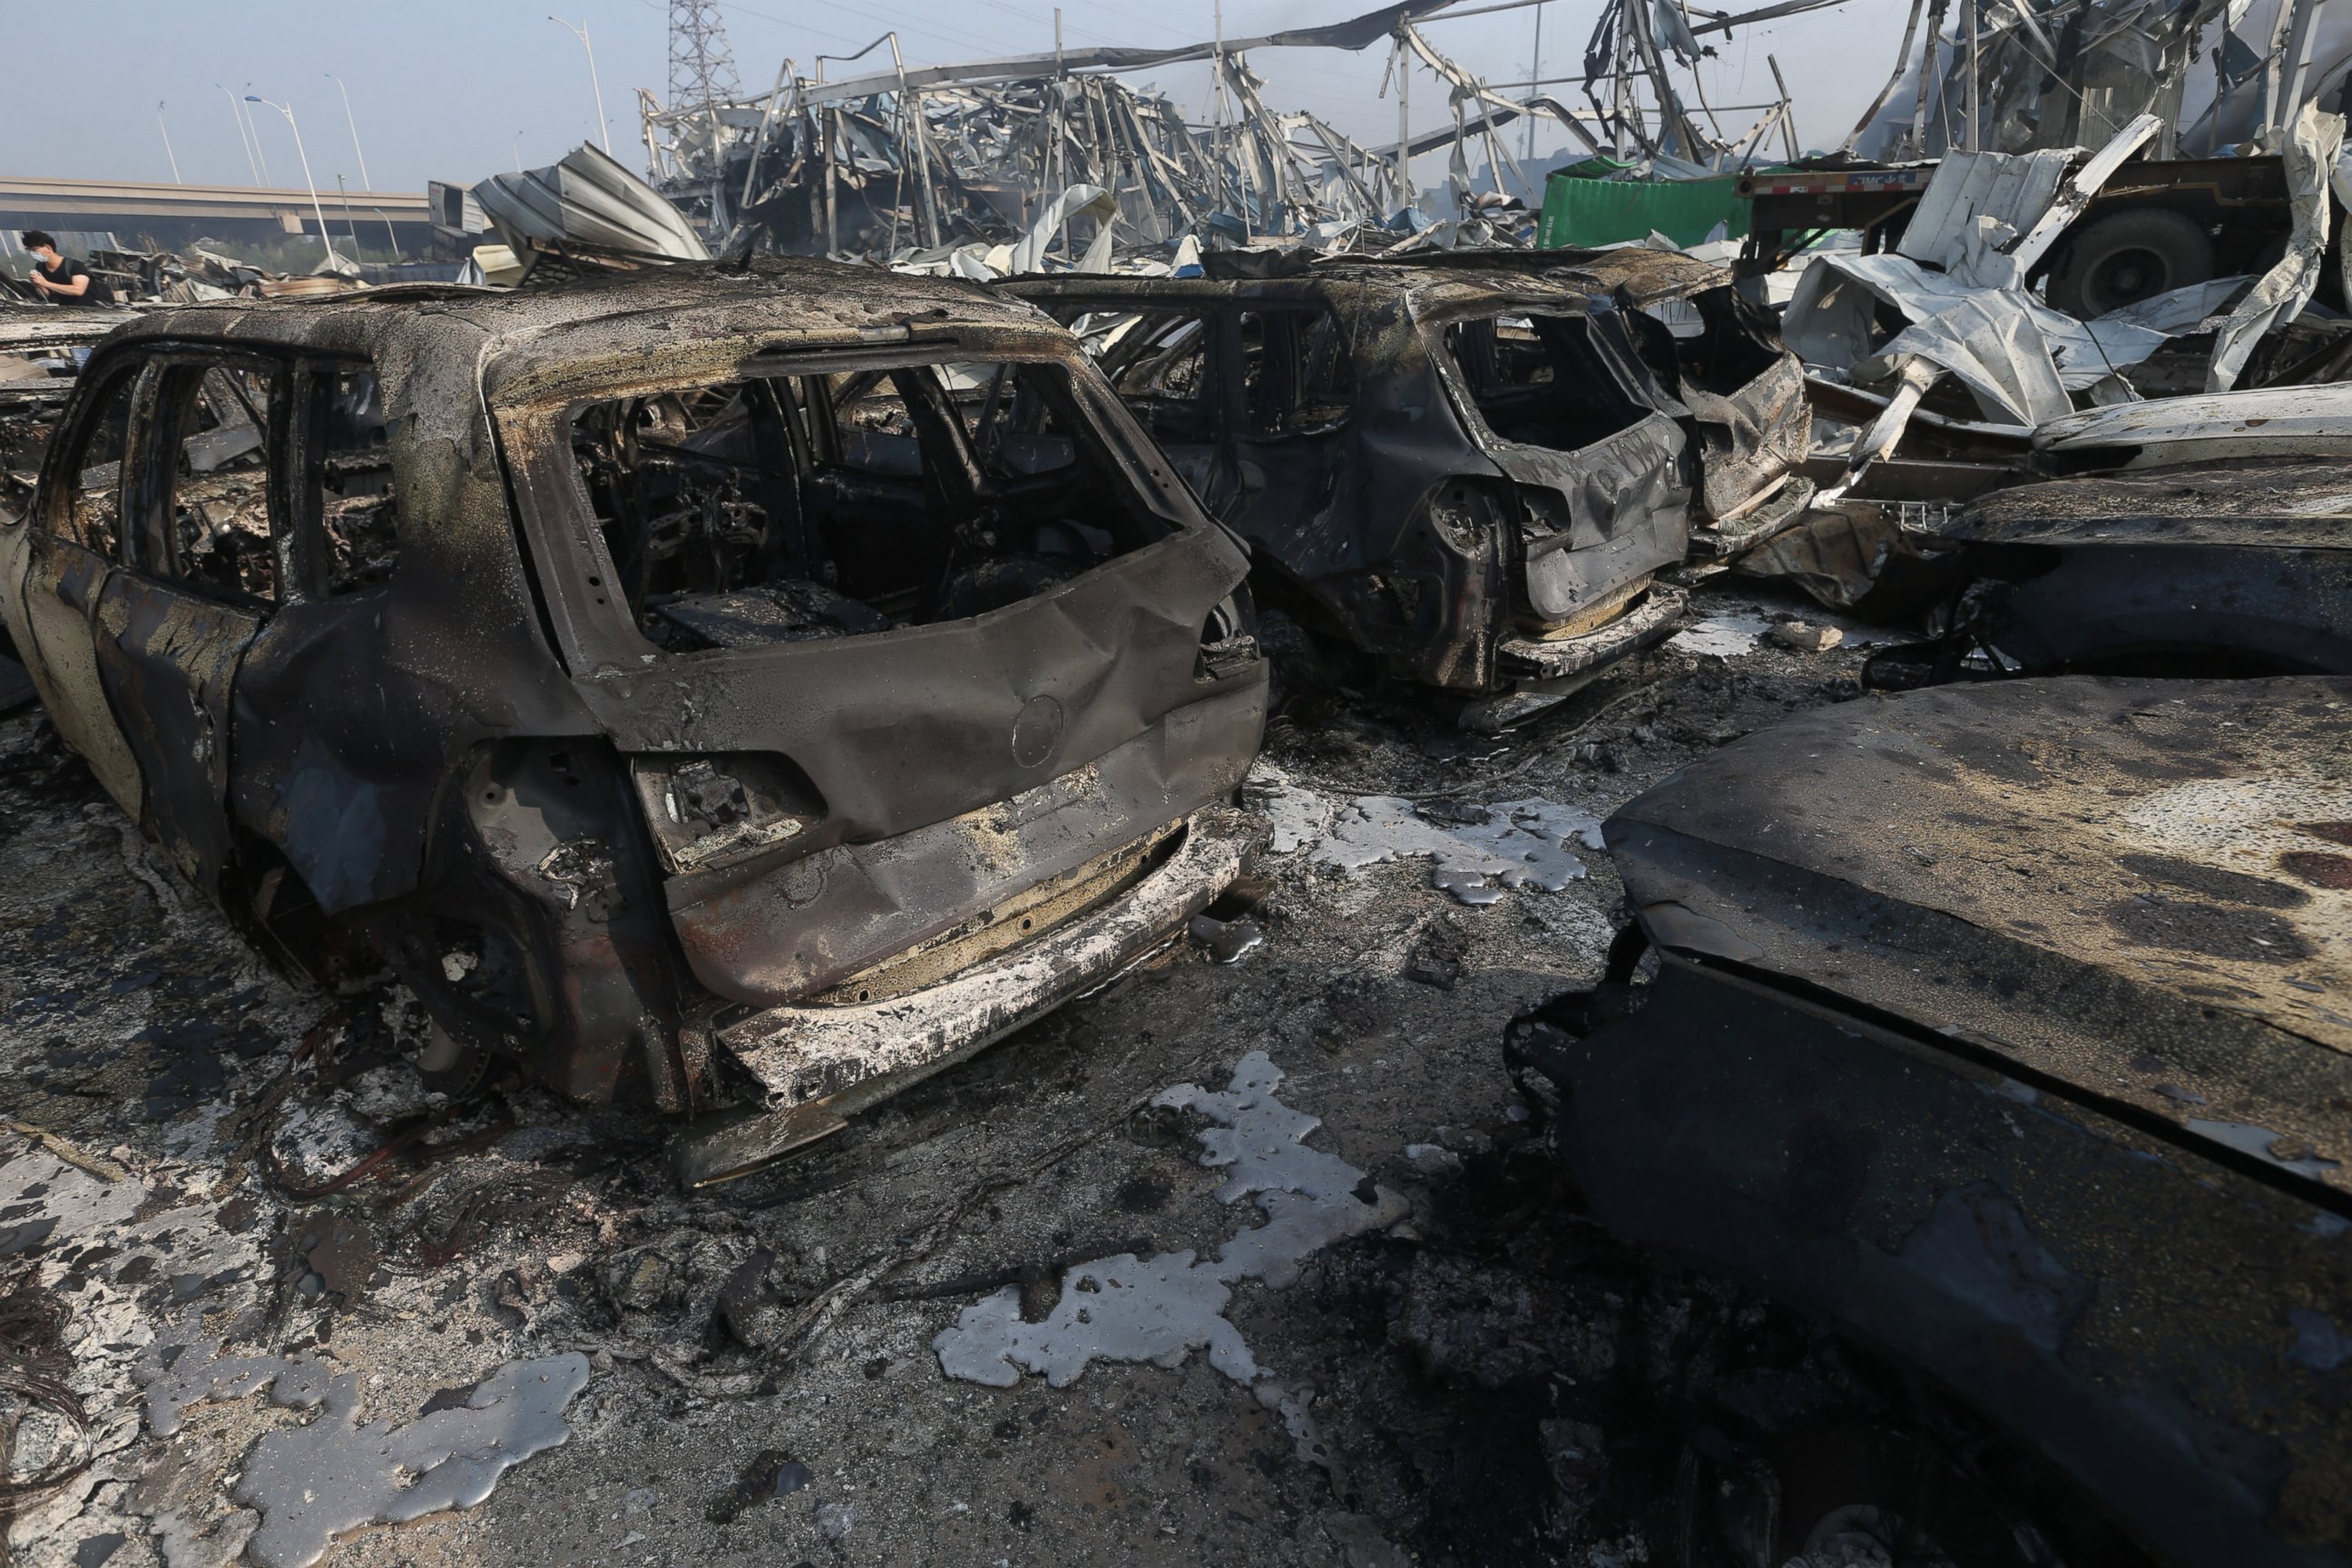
pixel 2137 892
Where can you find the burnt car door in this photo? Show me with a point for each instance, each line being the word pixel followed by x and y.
pixel 69 548
pixel 1296 392
pixel 201 574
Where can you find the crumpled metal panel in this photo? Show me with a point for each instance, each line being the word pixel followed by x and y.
pixel 2013 189
pixel 591 201
pixel 1751 437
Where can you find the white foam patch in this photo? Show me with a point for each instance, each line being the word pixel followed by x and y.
pixel 1521 844
pixel 1299 816
pixel 336 1474
pixel 1162 1308
pixel 1726 635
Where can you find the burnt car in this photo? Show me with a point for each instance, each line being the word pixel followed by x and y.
pixel 1473 467
pixel 2227 568
pixel 755 686
pixel 2008 1029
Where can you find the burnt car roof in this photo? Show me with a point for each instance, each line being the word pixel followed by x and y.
pixel 1435 281
pixel 2139 891
pixel 2289 502
pixel 516 332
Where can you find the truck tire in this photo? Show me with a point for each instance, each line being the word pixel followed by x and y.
pixel 2127 257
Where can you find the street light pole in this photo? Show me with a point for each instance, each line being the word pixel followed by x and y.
pixel 166 130
pixel 349 229
pixel 581 32
pixel 1536 75
pixel 256 136
pixel 320 211
pixel 365 183
pixel 237 111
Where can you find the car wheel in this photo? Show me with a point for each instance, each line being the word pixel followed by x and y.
pixel 1844 1493
pixel 446 1063
pixel 2128 257
pixel 1859 1495
pixel 1303 667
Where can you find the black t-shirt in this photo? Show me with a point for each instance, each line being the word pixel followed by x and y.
pixel 64 272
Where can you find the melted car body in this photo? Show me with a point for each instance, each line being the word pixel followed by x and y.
pixel 667 676
pixel 1474 467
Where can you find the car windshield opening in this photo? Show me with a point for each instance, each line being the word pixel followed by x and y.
pixel 1538 380
pixel 787 507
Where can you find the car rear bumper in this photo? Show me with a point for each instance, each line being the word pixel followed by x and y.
pixel 844 1052
pixel 1533 658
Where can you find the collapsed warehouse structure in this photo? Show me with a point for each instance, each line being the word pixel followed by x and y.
pixel 919 158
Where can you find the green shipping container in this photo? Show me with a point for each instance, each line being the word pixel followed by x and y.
pixel 1581 212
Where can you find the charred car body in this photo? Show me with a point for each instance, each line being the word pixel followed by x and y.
pixel 1474 467
pixel 2236 567
pixel 793 674
pixel 2004 1026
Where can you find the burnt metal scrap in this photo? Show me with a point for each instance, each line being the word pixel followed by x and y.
pixel 1472 468
pixel 754 687
pixel 2025 1066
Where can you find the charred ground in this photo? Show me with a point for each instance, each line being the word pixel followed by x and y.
pixel 1490 1378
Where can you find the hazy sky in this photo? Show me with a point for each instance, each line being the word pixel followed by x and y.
pixel 456 89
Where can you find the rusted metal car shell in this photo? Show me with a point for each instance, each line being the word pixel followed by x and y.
pixel 465 742
pixel 2004 1025
pixel 2242 566
pixel 1422 536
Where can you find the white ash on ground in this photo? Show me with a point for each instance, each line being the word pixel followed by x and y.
pixel 757 1380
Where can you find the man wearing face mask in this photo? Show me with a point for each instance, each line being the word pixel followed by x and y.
pixel 59 280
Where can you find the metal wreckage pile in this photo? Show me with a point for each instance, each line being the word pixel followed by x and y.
pixel 924 165
pixel 844 678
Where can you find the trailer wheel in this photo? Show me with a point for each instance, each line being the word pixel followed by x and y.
pixel 2127 257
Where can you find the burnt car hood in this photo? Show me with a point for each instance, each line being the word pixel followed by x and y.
pixel 2281 502
pixel 2135 893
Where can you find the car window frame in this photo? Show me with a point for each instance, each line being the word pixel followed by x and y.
pixel 1455 378
pixel 1342 345
pixel 154 462
pixel 563 547
pixel 304 467
pixel 62 468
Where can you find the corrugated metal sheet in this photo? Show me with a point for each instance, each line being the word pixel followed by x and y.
pixel 2015 188
pixel 588 202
